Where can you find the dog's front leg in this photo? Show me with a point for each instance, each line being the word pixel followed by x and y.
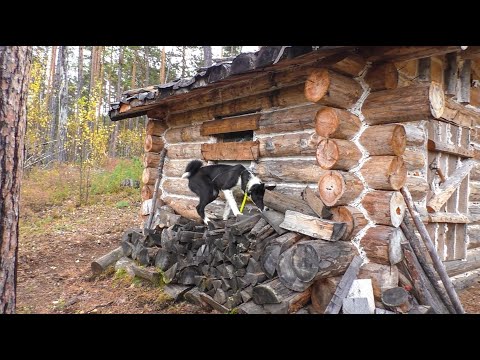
pixel 231 202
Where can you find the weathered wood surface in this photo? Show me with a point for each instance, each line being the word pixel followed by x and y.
pixel 397 298
pixel 384 172
pixel 330 88
pixel 230 124
pixel 153 143
pixel 288 145
pixel 447 188
pixel 360 299
pixel 248 150
pixel 175 291
pixel 388 139
pixel 415 160
pixel 175 168
pixel 339 188
pixel 415 134
pixel 451 74
pixel 385 207
pixel 185 151
pixel 296 118
pixel 418 187
pixel 463 95
pixel 449 149
pixel 273 292
pixel 177 186
pixel 313 226
pixel 270 256
pixel 337 154
pixel 411 103
pixel 382 76
pixel 306 171
pixel 383 277
pixel 457 267
pixel 315 203
pixel 189 133
pixel 274 218
pixel 282 203
pixel 344 286
pixel 99 265
pixel 155 127
pixel 424 69
pixel 352 217
pixel 336 123
pixel 351 65
pixel 382 244
pixel 322 293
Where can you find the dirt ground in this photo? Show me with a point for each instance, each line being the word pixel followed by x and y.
pixel 54 275
pixel 470 299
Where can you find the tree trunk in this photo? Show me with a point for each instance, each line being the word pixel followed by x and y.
pixel 162 66
pixel 53 106
pixel 382 244
pixel 147 65
pixel 113 144
pixel 61 135
pixel 15 64
pixel 352 217
pixel 207 56
pixel 339 188
pixel 385 207
pixel 336 123
pixel 387 139
pixel 337 154
pixel 384 172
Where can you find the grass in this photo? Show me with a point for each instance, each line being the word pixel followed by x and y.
pixel 108 182
pixel 122 204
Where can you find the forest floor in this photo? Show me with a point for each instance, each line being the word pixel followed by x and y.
pixel 59 240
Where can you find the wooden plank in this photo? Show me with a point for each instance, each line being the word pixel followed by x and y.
pixel 403 53
pixel 313 227
pixel 449 149
pixel 460 266
pixel 455 218
pixel 248 150
pixel 230 124
pixel 447 188
pixel 344 286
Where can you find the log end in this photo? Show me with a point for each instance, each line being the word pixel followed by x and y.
pixel 331 187
pixel 399 140
pixel 97 269
pixel 437 99
pixel 397 208
pixel 317 84
pixel 397 173
pixel 326 122
pixel 327 153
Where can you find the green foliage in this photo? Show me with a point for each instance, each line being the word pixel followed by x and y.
pixel 108 182
pixel 122 204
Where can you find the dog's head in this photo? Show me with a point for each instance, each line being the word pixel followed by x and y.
pixel 257 192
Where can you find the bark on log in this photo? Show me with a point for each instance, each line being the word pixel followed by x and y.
pixel 230 124
pixel 457 267
pixel 315 203
pixel 151 159
pixel 382 244
pixel 313 226
pixel 288 145
pixel 382 76
pixel 185 134
pixel 99 265
pixel 306 171
pixel 339 188
pixel 352 217
pixel 411 103
pixel 282 203
pixel 351 65
pixel 153 143
pixel 289 119
pixel 389 139
pixel 337 154
pixel 384 172
pixel 271 253
pixel 274 292
pixel 330 88
pixel 149 176
pixel 155 127
pixel 385 207
pixel 336 123
pixel 322 293
pixel 248 150
pixel 383 277
pixel 185 151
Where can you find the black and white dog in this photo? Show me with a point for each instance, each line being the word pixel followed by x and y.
pixel 207 181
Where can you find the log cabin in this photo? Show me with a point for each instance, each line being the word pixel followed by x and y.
pixel 353 124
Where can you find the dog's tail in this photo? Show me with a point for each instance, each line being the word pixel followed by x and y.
pixel 192 168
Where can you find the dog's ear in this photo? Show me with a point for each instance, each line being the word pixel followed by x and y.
pixel 270 187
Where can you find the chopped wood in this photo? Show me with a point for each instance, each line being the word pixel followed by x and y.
pixel 215 305
pixel 386 139
pixel 250 307
pixel 385 207
pixel 274 219
pixel 352 217
pixel 271 292
pixel 176 292
pixel 337 154
pixel 339 188
pixel 410 103
pixel 245 225
pixel 282 203
pixel 397 298
pixel 270 256
pixel 322 293
pixel 316 204
pixel 336 123
pixel 313 226
pixel 384 172
pixel 383 277
pixel 99 265
pixel 382 244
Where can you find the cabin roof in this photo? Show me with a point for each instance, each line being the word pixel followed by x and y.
pixel 138 102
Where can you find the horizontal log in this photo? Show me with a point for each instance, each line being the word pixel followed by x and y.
pixel 474 191
pixel 185 151
pixel 330 88
pixel 351 65
pixel 149 176
pixel 415 161
pixel 415 134
pixel 388 139
pixel 339 188
pixel 147 192
pixel 99 265
pixel 288 145
pixel 282 203
pixel 270 256
pixel 230 124
pixel 155 127
pixel 458 114
pixel 177 186
pixel 464 281
pixel 384 172
pixel 189 133
pixel 248 150
pixel 385 207
pixel 175 168
pixel 336 123
pixel 274 219
pixel 274 292
pixel 313 226
pixel 286 120
pixel 403 53
pixel 448 149
pixel 473 231
pixel 337 154
pixel 352 217
pixel 306 171
pixel 411 103
pixel 457 267
pixel 151 159
pixel 187 207
pixel 382 244
pixel 418 187
pixel 382 76
pixel 153 143
pixel 442 217
pixel 316 204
